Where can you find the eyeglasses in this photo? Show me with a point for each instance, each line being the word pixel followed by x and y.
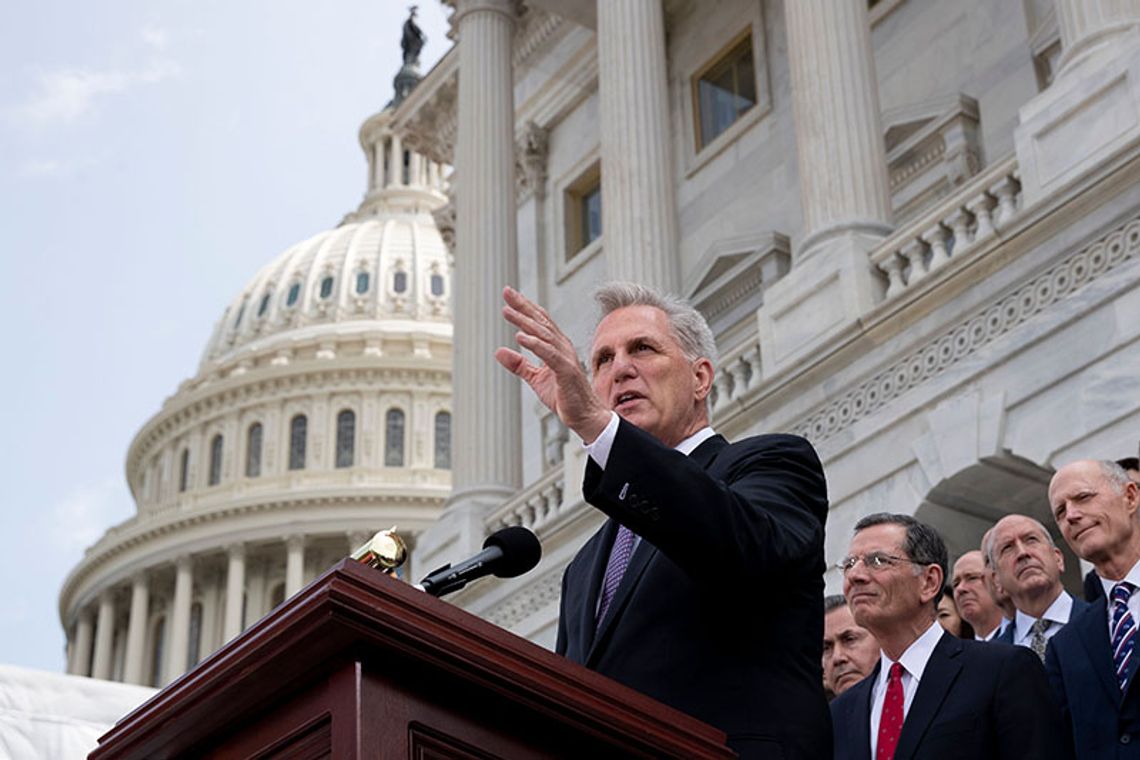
pixel 873 561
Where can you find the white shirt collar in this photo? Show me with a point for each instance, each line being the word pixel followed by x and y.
pixel 915 657
pixel 1133 577
pixel 1057 614
pixel 690 444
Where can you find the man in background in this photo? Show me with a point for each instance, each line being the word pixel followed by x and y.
pixel 976 604
pixel 850 652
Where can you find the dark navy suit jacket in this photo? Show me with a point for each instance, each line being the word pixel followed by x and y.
pixel 720 613
pixel 1102 722
pixel 976 700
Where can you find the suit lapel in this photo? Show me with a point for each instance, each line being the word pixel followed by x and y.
pixel 1092 632
pixel 644 552
pixel 704 455
pixel 939 675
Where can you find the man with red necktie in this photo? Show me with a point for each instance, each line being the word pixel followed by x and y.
pixel 932 695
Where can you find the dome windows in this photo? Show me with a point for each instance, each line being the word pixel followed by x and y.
pixel 400 282
pixel 345 438
pixel 293 295
pixel 443 441
pixel 216 445
pixel 298 430
pixel 437 285
pixel 183 470
pixel 253 450
pixel 326 287
pixel 264 305
pixel 362 283
pixel 394 438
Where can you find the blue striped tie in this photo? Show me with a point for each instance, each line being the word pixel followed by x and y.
pixel 1123 631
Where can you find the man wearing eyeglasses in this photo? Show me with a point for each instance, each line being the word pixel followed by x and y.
pixel 932 695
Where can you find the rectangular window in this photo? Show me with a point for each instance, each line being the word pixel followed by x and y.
pixel 584 211
pixel 724 90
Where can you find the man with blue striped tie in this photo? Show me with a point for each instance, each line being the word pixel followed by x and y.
pixel 1092 663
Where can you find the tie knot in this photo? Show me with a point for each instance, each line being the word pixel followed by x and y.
pixel 1041 625
pixel 896 671
pixel 1122 592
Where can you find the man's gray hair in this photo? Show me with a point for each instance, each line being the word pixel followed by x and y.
pixel 1114 474
pixel 988 538
pixel 923 545
pixel 689 325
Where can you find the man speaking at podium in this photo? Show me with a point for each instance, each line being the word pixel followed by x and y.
pixel 704 589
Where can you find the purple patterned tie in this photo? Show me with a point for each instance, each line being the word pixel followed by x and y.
pixel 615 569
pixel 1123 631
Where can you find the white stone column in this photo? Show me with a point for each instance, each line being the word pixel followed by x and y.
pixel 639 205
pixel 179 632
pixel 1088 24
pixel 396 167
pixel 486 466
pixel 81 647
pixel 135 665
pixel 104 637
pixel 839 135
pixel 235 592
pixel 843 183
pixel 1091 111
pixel 211 593
pixel 294 564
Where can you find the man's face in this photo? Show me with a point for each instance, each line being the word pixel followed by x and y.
pixel 642 374
pixel 882 598
pixel 849 652
pixel 1026 563
pixel 1095 518
pixel 975 603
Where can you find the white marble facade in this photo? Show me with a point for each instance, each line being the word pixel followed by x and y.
pixel 944 352
pixel 945 348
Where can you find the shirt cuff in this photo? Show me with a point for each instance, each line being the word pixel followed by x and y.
pixel 599 449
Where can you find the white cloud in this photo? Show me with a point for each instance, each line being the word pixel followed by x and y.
pixel 155 36
pixel 81 517
pixel 65 96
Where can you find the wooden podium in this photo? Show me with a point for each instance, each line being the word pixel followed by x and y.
pixel 358 665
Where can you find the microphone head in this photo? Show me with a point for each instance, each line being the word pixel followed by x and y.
pixel 521 550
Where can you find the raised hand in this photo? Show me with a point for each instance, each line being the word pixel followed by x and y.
pixel 559 382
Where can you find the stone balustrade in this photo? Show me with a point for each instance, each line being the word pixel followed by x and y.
pixel 737 372
pixel 532 507
pixel 958 225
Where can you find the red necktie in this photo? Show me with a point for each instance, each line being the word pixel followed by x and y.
pixel 891 721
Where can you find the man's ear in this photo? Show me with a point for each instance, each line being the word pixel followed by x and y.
pixel 703 373
pixel 931 583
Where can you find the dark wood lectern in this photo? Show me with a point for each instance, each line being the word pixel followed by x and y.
pixel 358 665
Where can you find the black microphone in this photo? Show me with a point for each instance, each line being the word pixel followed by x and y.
pixel 506 553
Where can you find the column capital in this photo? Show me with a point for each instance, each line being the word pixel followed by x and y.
pixel 509 8
pixel 236 549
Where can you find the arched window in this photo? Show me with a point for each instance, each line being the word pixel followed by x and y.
pixel 157 652
pixel 394 438
pixel 183 470
pixel 253 451
pixel 362 283
pixel 294 294
pixel 241 313
pixel 216 460
pixel 264 305
pixel 326 286
pixel 345 438
pixel 437 284
pixel 443 441
pixel 194 646
pixel 400 282
pixel 298 429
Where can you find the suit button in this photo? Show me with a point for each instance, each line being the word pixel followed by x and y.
pixel 1125 738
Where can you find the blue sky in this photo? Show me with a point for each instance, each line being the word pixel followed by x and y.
pixel 154 154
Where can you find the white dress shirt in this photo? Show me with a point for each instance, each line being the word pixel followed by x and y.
pixel 1132 577
pixel 599 448
pixel 914 661
pixel 1057 614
